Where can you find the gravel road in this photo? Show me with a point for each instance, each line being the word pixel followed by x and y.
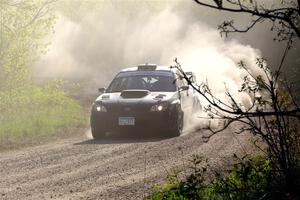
pixel 81 168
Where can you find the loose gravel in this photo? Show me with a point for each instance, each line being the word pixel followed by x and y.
pixel 81 168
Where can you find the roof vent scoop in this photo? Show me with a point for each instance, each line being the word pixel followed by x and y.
pixel 127 94
pixel 147 67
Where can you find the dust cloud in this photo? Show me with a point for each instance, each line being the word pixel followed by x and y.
pixel 88 134
pixel 93 50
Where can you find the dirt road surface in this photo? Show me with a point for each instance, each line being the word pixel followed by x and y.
pixel 80 168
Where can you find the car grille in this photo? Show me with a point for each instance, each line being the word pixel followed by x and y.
pixel 125 109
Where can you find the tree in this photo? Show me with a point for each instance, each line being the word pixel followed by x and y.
pixel 27 108
pixel 274 114
pixel 23 27
pixel 285 15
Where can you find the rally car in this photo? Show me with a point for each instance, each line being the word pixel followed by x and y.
pixel 144 99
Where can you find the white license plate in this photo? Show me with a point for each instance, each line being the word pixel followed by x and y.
pixel 126 121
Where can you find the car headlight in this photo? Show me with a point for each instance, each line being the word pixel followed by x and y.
pixel 159 107
pixel 100 108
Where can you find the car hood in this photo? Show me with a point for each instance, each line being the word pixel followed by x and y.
pixel 136 96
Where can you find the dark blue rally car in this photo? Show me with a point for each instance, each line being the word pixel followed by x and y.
pixel 143 99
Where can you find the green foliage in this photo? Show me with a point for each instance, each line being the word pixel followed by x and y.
pixel 24 27
pixel 249 179
pixel 178 189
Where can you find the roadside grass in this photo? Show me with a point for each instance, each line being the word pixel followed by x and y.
pixel 32 110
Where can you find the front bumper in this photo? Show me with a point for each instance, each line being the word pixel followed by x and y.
pixel 145 121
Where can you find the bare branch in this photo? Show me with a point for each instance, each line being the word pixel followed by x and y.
pixel 224 27
pixel 39 12
pixel 292 113
pixel 280 14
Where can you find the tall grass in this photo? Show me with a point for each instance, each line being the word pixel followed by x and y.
pixel 32 110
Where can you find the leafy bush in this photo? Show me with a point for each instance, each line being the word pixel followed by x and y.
pixel 189 187
pixel 249 179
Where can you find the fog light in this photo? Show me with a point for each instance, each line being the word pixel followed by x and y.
pixel 98 108
pixel 160 108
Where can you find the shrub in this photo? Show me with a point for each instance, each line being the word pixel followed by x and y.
pixel 189 187
pixel 249 179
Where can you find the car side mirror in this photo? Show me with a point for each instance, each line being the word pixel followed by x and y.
pixel 183 88
pixel 101 90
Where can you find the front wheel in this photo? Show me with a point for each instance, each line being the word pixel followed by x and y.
pixel 97 133
pixel 178 125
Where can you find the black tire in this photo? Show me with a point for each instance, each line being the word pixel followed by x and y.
pixel 178 125
pixel 97 133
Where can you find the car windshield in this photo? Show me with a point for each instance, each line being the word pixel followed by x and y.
pixel 143 82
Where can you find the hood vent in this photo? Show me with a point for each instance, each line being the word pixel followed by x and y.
pixel 127 94
pixel 160 96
